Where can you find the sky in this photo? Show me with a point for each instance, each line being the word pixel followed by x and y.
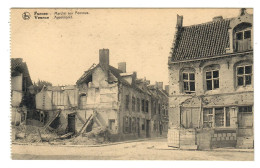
pixel 60 50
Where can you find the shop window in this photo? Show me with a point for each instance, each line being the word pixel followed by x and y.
pixel 244 75
pixel 216 117
pixel 208 117
pixel 219 117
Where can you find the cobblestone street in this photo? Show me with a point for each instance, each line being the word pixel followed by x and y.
pixel 155 149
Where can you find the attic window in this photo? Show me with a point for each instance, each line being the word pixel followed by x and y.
pixel 242 37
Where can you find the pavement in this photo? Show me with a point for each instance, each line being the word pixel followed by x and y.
pixel 142 149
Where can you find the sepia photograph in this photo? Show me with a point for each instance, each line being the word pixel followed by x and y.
pixel 132 84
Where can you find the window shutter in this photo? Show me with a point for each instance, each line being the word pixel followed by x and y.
pixel 233 117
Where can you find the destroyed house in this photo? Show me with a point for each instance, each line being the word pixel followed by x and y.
pixel 106 98
pixel 211 84
pixel 21 98
pixel 123 102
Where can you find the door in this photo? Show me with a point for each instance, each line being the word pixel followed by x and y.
pixel 138 126
pixel 71 123
pixel 147 128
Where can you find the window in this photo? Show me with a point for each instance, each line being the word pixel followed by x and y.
pixel 82 101
pixel 216 117
pixel 159 108
pixel 245 117
pixel 188 82
pixel 130 125
pixel 143 124
pixel 219 117
pixel 126 125
pixel 134 124
pixel 212 79
pixel 133 103
pixel 242 37
pixel 127 102
pixel 243 40
pixel 208 117
pixel 147 106
pixel 244 75
pixel 245 109
pixel 138 104
pixel 112 125
pixel 143 105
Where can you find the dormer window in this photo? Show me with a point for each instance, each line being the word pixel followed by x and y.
pixel 242 37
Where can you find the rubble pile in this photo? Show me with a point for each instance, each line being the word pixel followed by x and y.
pixel 32 134
pixel 35 134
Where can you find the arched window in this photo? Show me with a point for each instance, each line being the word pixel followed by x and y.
pixel 242 37
pixel 188 80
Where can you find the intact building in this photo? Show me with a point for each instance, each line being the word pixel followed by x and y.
pixel 211 84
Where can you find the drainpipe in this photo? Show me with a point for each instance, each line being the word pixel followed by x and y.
pixel 180 130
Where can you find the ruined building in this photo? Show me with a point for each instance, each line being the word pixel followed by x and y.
pixel 21 98
pixel 211 92
pixel 108 97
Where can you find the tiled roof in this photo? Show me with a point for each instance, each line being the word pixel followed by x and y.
pixel 202 40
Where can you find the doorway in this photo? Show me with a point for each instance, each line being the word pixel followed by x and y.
pixel 147 128
pixel 71 123
pixel 138 126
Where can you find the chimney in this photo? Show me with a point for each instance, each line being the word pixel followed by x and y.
pixel 217 18
pixel 179 21
pixel 122 66
pixel 134 75
pixel 242 11
pixel 104 57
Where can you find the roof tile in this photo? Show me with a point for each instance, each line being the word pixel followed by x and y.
pixel 200 41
